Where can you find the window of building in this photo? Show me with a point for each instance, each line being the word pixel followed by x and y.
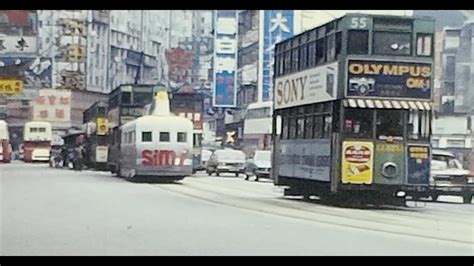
pixel 358 42
pixel 164 136
pixel 181 137
pixel 358 123
pixel 424 44
pixel 146 136
pixel 392 43
pixel 308 127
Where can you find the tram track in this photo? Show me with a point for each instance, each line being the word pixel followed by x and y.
pixel 267 203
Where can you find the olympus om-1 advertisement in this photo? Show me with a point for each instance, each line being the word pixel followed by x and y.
pixel 389 79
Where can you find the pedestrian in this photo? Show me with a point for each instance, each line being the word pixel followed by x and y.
pixel 79 157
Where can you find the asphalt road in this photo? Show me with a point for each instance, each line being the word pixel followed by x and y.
pixel 48 211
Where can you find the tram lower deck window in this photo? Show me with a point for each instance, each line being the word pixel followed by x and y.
pixel 164 136
pixel 181 137
pixel 389 124
pixel 358 123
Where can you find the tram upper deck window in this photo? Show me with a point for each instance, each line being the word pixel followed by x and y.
pixel 101 110
pixel 142 98
pixel 358 123
pixel 126 97
pixel 389 124
pixel 392 43
pixel 358 42
pixel 424 44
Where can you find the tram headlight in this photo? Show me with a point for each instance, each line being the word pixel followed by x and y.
pixel 389 170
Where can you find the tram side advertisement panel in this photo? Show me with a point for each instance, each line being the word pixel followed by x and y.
pixel 357 162
pixel 418 164
pixel 307 159
pixel 389 79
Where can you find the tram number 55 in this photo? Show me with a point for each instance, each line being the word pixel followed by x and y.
pixel 359 23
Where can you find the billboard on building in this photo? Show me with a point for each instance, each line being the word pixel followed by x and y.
pixel 225 58
pixel 34 72
pixel 179 62
pixel 278 25
pixel 52 106
pixel 72 54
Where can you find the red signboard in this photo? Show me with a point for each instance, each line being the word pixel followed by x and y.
pixel 179 64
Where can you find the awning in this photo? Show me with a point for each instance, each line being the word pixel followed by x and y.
pixel 387 104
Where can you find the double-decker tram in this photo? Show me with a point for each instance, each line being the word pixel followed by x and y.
pixel 353 110
pixel 37 136
pixel 156 146
pixel 96 127
pixel 191 106
pixel 258 127
pixel 126 103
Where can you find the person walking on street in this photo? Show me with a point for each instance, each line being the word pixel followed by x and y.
pixel 79 157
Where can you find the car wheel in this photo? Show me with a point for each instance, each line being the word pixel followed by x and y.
pixel 236 174
pixel 217 173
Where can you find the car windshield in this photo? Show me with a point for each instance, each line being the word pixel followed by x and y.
pixel 451 162
pixel 263 156
pixel 230 155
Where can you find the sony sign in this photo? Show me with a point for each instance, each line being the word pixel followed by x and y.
pixel 318 84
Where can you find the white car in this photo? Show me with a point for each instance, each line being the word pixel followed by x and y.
pixel 448 177
pixel 260 165
pixel 226 161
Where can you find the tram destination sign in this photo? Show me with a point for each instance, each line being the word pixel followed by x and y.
pixel 389 79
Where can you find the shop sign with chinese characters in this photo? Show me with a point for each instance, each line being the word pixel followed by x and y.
pixel 52 105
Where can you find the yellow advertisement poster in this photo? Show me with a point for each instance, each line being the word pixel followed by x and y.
pixel 11 86
pixel 102 126
pixel 357 162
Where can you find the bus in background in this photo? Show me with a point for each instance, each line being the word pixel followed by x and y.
pixel 190 105
pixel 96 127
pixel 126 103
pixel 5 147
pixel 258 127
pixel 353 110
pixel 37 138
pixel 156 146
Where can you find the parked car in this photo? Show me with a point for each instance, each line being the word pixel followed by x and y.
pixel 448 177
pixel 226 161
pixel 260 165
